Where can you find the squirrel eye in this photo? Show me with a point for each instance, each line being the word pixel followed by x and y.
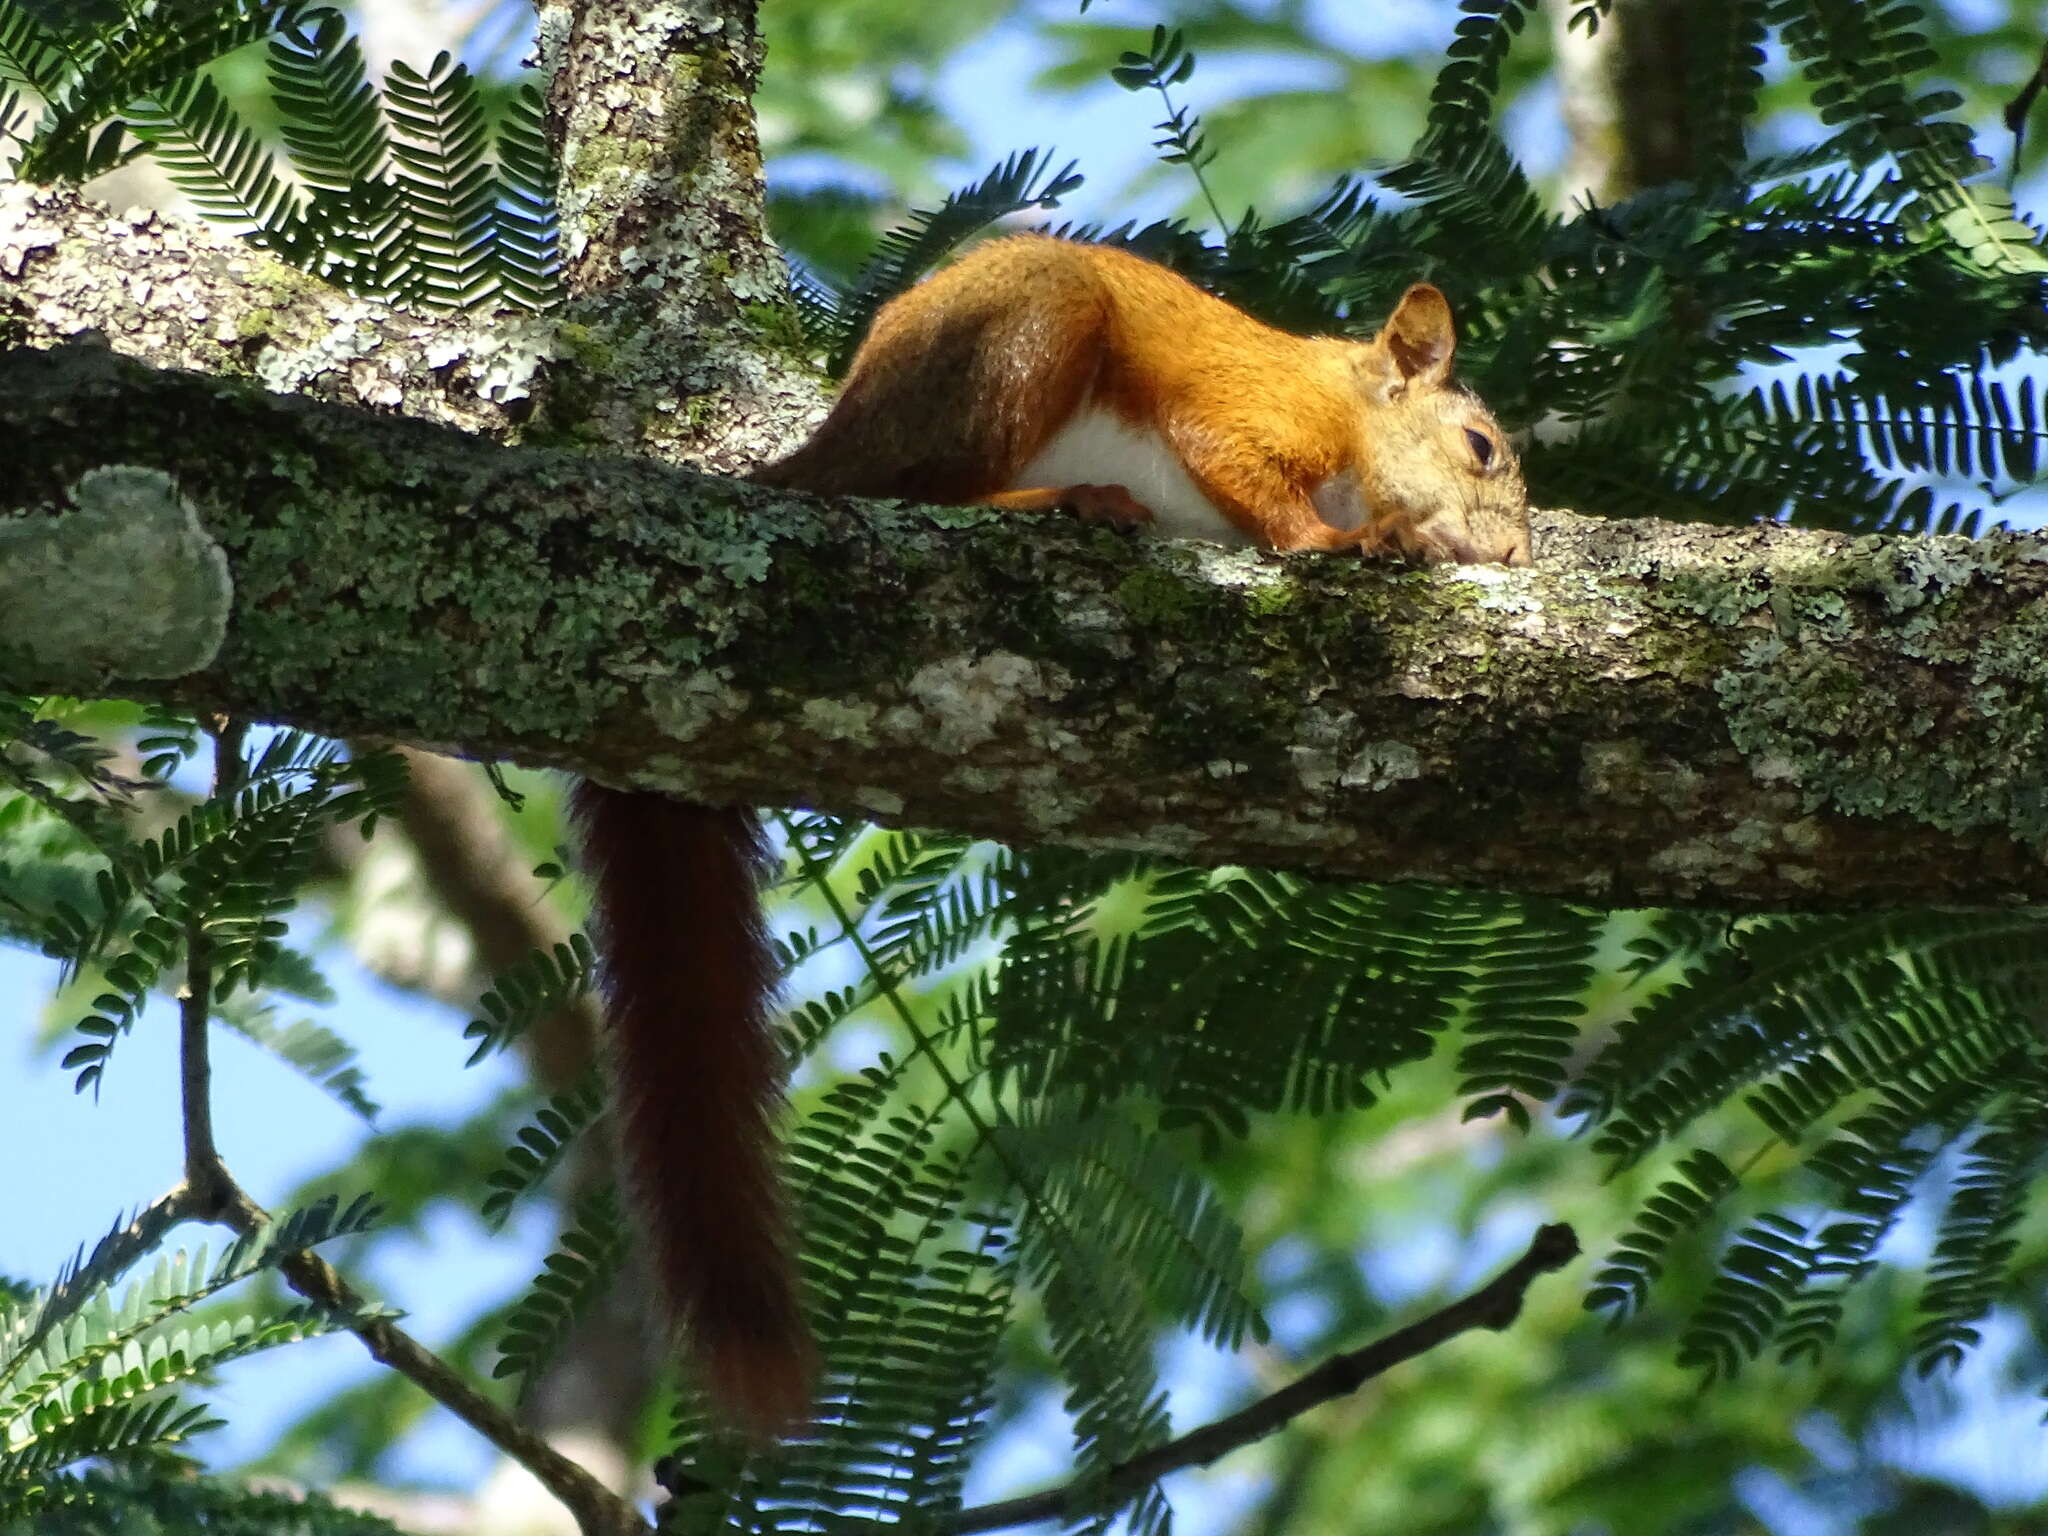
pixel 1482 446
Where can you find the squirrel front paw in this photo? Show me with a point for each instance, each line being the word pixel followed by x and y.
pixel 1110 505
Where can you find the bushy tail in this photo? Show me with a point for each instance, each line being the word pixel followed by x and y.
pixel 697 1075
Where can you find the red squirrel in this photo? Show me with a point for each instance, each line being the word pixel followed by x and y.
pixel 1033 373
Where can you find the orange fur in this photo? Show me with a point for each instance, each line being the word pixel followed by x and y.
pixel 964 379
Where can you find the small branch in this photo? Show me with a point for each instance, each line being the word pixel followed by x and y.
pixel 206 1178
pixel 210 1193
pixel 1494 1305
pixel 598 1511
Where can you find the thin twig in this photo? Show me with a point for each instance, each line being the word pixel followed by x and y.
pixel 2016 113
pixel 211 1193
pixel 206 1177
pixel 1494 1305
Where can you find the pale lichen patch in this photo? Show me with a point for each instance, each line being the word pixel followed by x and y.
pixel 684 707
pixel 884 804
pixel 1381 765
pixel 965 698
pixel 125 582
pixel 838 719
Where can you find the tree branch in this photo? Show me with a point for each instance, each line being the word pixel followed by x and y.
pixel 1746 718
pixel 206 1177
pixel 672 279
pixel 1494 1305
pixel 210 1192
pixel 597 1510
pixel 178 293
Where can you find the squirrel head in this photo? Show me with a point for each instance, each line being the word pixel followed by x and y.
pixel 1434 466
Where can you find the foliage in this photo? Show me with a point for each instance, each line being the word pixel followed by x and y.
pixel 1820 335
pixel 126 1504
pixel 84 1378
pixel 586 1261
pixel 82 1375
pixel 403 193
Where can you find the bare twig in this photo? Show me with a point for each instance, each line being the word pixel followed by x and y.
pixel 207 1183
pixel 598 1511
pixel 2018 110
pixel 1494 1305
pixel 210 1193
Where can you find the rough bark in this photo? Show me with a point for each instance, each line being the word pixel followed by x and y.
pixel 672 278
pixel 178 294
pixel 1744 718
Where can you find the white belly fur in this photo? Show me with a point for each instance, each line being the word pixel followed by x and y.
pixel 1096 448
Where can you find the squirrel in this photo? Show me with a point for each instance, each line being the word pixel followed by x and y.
pixel 1033 374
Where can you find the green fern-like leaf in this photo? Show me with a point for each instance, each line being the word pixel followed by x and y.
pixel 908 1287
pixel 1975 1242
pixel 545 982
pixel 1208 960
pixel 1862 58
pixel 174 1284
pixel 338 145
pixel 1763 1003
pixel 118 1432
pixel 1105 1176
pixel 211 155
pixel 1757 1282
pixel 1948 425
pixel 1679 1209
pixel 527 259
pixel 144 51
pixel 32 55
pixel 592 1248
pixel 1524 1009
pixel 1462 96
pixel 150 1497
pixel 82 1376
pixel 542 1145
pixel 315 1052
pixel 231 866
pixel 447 187
pixel 1724 78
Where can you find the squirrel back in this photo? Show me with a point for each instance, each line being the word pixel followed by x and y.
pixel 1034 364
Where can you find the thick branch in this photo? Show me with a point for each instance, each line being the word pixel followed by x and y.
pixel 177 293
pixel 671 276
pixel 1745 718
pixel 1629 87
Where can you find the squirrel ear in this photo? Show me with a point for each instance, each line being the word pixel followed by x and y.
pixel 1419 336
